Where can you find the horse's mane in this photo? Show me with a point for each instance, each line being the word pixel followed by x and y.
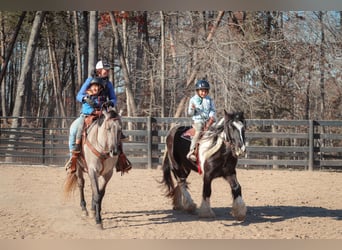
pixel 214 133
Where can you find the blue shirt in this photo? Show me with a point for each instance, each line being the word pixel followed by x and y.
pixel 107 94
pixel 204 108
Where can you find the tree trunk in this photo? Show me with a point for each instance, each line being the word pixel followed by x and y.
pixel 321 65
pixel 216 24
pixel 7 55
pixel 27 65
pixel 78 50
pixel 162 63
pixel 25 72
pixel 93 41
pixel 85 43
pixel 130 100
pixel 55 75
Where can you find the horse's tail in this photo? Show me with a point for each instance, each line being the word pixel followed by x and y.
pixel 70 185
pixel 167 177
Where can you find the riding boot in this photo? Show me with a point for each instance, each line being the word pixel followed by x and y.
pixel 77 147
pixel 70 166
pixel 123 164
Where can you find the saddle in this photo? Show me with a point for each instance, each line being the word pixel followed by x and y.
pixel 188 133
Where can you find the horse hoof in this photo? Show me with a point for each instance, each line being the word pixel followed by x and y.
pixel 239 209
pixel 241 217
pixel 238 217
pixel 191 208
pixel 99 226
pixel 84 213
pixel 208 215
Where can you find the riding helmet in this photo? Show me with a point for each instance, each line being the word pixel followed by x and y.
pixel 202 84
pixel 98 80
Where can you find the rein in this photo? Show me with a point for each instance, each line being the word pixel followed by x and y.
pixel 229 142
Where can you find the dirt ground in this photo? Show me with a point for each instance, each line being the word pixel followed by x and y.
pixel 282 204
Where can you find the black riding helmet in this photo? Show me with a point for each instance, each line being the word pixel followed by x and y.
pixel 99 81
pixel 202 84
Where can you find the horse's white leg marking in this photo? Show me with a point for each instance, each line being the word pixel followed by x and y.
pixel 187 202
pixel 239 208
pixel 177 198
pixel 205 210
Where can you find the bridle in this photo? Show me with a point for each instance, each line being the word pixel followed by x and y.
pixel 229 140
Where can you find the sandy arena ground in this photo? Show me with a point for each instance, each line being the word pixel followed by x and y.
pixel 282 204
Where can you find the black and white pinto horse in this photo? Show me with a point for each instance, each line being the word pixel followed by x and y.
pixel 218 152
pixel 99 155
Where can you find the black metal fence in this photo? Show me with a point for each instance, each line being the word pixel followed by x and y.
pixel 301 144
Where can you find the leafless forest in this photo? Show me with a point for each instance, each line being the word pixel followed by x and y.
pixel 271 65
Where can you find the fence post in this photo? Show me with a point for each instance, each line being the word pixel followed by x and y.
pixel 149 141
pixel 311 145
pixel 43 135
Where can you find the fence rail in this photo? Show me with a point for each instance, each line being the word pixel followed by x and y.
pixel 302 144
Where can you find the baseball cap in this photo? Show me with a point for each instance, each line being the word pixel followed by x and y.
pixel 102 65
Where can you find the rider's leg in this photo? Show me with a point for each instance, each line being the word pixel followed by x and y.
pixel 74 144
pixel 198 129
pixel 79 131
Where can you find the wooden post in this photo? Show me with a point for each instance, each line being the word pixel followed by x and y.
pixel 43 142
pixel 149 141
pixel 311 145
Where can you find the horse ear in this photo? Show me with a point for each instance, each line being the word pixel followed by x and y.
pixel 228 116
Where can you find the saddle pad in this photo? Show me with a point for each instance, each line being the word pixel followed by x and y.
pixel 187 134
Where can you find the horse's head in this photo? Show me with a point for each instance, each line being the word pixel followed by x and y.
pixel 110 131
pixel 234 127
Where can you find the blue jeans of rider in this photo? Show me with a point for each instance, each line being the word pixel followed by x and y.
pixel 75 132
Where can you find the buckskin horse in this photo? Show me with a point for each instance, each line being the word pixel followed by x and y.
pixel 218 152
pixel 101 149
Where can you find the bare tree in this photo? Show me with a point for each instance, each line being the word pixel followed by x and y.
pixel 26 70
pixel 131 106
pixel 7 54
pixel 27 65
pixel 93 40
pixel 77 49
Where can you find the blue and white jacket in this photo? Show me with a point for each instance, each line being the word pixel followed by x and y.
pixel 204 109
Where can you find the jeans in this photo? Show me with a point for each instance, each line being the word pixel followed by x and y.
pixel 75 131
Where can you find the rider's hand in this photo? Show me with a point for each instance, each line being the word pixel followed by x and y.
pixel 107 104
pixel 88 100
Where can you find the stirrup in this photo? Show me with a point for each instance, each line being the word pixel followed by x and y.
pixel 123 164
pixel 68 166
